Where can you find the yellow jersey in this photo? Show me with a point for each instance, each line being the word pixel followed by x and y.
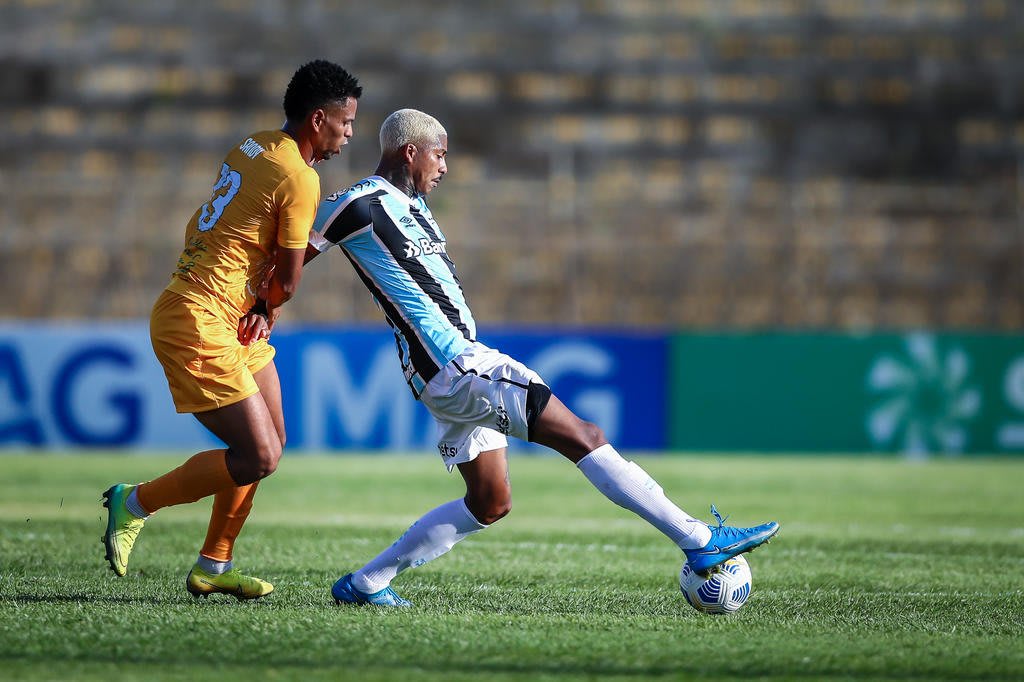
pixel 266 196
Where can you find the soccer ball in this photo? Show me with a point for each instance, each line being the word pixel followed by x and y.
pixel 725 590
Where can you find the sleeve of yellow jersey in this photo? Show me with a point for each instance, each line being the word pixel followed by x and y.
pixel 298 197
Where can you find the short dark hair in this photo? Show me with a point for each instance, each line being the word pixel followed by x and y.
pixel 315 85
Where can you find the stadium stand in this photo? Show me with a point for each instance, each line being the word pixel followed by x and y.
pixel 697 163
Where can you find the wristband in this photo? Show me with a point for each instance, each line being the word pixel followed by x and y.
pixel 259 308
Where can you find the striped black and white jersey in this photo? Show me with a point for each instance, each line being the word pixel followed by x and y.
pixel 401 255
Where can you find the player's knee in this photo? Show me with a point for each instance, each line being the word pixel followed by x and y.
pixel 491 508
pixel 255 460
pixel 266 460
pixel 495 513
pixel 498 510
pixel 591 436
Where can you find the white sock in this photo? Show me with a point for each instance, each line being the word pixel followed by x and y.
pixel 434 534
pixel 212 565
pixel 132 503
pixel 630 487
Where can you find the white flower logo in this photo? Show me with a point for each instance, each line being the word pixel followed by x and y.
pixel 925 399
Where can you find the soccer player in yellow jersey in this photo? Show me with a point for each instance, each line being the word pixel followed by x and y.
pixel 247 241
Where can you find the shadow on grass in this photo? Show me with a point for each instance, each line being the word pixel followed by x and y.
pixel 87 599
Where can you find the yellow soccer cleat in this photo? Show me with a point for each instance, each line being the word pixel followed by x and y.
pixel 199 583
pixel 122 528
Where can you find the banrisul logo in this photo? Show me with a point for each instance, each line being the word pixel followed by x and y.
pixel 925 399
pixel 424 247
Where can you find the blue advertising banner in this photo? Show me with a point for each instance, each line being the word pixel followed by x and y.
pixel 100 386
pixel 344 387
pixel 87 386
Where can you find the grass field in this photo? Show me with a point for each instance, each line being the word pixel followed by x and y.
pixel 883 569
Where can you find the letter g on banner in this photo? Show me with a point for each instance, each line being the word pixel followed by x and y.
pixel 603 406
pixel 69 413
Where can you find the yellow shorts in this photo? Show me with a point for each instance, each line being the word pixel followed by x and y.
pixel 206 366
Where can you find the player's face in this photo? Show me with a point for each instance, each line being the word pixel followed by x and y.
pixel 429 165
pixel 334 129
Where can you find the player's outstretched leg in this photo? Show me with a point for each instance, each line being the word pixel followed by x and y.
pixel 123 527
pixel 626 484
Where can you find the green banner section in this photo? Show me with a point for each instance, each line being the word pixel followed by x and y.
pixel 916 393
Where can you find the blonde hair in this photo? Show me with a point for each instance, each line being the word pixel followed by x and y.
pixel 409 126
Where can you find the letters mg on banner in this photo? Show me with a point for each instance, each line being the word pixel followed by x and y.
pixel 344 388
pixel 100 386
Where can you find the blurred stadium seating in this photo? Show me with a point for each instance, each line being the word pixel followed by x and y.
pixel 696 163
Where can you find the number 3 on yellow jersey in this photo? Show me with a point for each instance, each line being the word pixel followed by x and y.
pixel 223 192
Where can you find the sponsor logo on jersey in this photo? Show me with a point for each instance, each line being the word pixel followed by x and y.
pixel 251 148
pixel 424 247
pixel 447 451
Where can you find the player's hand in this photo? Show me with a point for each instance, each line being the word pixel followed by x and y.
pixel 252 327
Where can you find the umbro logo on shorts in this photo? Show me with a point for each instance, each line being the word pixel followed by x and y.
pixel 502 422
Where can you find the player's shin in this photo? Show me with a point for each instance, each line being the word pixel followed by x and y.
pixel 231 507
pixel 433 535
pixel 202 475
pixel 632 488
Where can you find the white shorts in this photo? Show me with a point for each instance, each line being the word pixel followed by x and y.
pixel 477 399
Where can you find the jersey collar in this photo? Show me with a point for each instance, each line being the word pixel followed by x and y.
pixel 398 194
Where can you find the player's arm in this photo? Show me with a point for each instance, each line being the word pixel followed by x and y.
pixel 337 218
pixel 284 281
pixel 256 323
pixel 297 200
pixel 286 273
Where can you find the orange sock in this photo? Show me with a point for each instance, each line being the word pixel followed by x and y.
pixel 202 475
pixel 231 507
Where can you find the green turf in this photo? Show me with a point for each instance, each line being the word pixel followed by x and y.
pixel 883 570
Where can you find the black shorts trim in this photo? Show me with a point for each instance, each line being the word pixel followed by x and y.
pixel 537 397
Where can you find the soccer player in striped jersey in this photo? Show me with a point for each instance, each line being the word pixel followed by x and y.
pixel 477 395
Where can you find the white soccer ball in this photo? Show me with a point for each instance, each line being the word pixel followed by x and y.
pixel 725 590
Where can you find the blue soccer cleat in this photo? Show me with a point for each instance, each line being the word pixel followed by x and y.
pixel 344 592
pixel 726 542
